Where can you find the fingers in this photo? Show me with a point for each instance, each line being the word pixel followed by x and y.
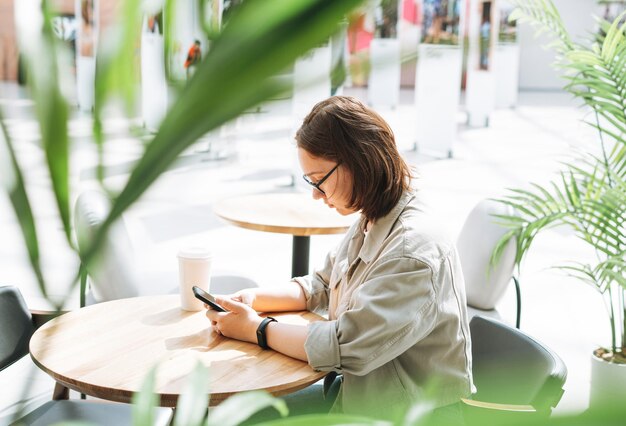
pixel 230 304
pixel 213 321
pixel 209 307
pixel 213 315
pixel 247 298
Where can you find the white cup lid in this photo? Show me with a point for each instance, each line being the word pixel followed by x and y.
pixel 195 253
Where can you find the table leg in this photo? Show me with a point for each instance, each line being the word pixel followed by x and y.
pixel 300 256
pixel 60 392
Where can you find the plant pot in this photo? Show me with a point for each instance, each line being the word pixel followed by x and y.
pixel 607 383
pixel 85 81
pixel 384 80
pixel 437 94
pixel 507 74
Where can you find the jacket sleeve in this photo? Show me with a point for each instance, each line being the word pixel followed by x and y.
pixel 316 285
pixel 389 313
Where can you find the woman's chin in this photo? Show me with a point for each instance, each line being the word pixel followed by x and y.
pixel 343 211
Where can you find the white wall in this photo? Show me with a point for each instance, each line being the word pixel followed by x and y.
pixel 536 70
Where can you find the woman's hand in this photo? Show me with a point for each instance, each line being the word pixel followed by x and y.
pixel 246 296
pixel 240 322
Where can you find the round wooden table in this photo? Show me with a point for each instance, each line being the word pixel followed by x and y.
pixel 297 214
pixel 106 350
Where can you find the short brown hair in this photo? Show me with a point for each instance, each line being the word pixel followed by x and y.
pixel 344 130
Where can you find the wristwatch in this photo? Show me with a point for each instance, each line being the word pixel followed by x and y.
pixel 260 332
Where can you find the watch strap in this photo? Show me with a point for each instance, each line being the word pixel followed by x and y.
pixel 260 332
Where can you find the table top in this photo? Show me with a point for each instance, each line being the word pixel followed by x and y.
pixel 285 213
pixel 105 350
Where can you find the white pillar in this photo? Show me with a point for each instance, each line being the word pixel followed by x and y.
pixel 384 79
pixel 86 42
pixel 154 91
pixel 438 79
pixel 507 58
pixel 480 92
pixel 437 94
pixel 507 74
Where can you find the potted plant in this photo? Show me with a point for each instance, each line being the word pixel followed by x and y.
pixel 589 195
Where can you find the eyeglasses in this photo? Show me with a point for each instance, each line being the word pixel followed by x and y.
pixel 317 184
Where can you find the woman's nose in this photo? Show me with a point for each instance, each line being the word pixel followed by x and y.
pixel 317 194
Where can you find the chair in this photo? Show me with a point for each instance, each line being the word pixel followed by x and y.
pixel 123 267
pixel 513 373
pixel 112 275
pixel 485 284
pixel 16 328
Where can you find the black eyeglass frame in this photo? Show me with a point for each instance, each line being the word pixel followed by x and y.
pixel 317 184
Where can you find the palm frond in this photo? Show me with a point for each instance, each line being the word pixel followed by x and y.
pixel 544 16
pixel 579 200
pixel 225 85
pixel 16 189
pixel 599 76
pixel 531 216
pixel 596 75
pixel 584 273
pixel 41 52
pixel 600 276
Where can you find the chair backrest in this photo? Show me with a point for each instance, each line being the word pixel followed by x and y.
pixel 113 274
pixel 16 326
pixel 120 271
pixel 510 367
pixel 484 284
pixel 227 284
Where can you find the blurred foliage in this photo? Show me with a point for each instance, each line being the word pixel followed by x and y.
pixel 262 38
pixel 241 408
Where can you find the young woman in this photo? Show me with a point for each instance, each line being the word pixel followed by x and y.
pixel 393 289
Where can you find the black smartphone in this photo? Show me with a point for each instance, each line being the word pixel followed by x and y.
pixel 207 298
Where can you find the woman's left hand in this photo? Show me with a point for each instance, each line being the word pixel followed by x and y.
pixel 240 322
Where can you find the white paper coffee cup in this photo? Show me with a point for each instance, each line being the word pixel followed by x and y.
pixel 194 268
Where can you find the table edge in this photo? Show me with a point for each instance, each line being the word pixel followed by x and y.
pixel 282 229
pixel 168 399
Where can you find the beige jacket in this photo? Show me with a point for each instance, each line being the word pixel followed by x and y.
pixel 396 306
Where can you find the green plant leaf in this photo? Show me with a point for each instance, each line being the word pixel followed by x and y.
pixel 226 84
pixel 193 402
pixel 240 407
pixel 584 57
pixel 327 420
pixel 41 53
pixel 13 181
pixel 145 401
pixel 116 68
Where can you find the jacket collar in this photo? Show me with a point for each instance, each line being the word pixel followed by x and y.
pixel 381 228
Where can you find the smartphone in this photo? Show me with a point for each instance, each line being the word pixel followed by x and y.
pixel 207 298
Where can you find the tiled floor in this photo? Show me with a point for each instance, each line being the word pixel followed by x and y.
pixel 521 145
